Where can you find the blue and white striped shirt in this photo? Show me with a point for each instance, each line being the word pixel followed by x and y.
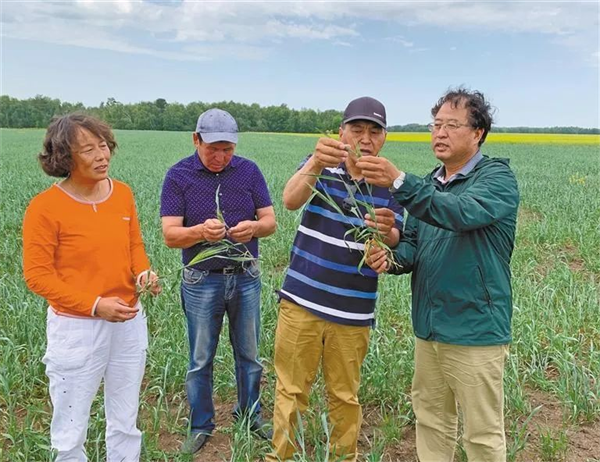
pixel 323 275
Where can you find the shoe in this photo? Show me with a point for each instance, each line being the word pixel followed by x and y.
pixel 194 443
pixel 262 429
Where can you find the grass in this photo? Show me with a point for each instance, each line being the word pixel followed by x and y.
pixel 553 445
pixel 556 268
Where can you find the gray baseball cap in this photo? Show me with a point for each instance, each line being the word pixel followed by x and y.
pixel 365 108
pixel 217 125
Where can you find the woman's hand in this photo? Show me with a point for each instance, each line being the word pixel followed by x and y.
pixel 148 281
pixel 113 309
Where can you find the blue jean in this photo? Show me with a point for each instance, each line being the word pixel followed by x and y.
pixel 206 297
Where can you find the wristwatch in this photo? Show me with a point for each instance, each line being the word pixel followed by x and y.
pixel 398 182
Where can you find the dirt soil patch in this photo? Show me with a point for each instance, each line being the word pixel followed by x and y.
pixel 583 440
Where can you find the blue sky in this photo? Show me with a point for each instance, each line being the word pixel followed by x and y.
pixel 538 62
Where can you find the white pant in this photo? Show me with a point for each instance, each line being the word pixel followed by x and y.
pixel 80 353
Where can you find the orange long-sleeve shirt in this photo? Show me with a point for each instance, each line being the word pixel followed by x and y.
pixel 75 252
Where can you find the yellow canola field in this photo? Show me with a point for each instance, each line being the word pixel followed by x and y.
pixel 500 138
pixel 520 138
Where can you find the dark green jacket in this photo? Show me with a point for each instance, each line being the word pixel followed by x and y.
pixel 458 241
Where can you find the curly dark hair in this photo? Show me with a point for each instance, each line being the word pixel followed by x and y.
pixel 480 110
pixel 61 137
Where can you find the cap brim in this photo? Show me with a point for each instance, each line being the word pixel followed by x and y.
pixel 371 119
pixel 219 136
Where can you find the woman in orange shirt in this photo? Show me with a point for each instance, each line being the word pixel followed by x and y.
pixel 83 252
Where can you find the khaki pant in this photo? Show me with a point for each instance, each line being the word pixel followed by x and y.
pixel 472 376
pixel 302 340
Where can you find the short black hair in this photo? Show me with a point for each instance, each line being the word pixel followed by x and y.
pixel 480 110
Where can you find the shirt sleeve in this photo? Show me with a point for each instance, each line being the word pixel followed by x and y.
pixel 172 203
pixel 304 161
pixel 40 242
pixel 489 199
pixel 405 251
pixel 139 259
pixel 398 210
pixel 260 191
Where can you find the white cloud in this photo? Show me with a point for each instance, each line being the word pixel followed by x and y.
pixel 401 40
pixel 249 29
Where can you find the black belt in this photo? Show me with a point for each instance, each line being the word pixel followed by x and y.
pixel 237 269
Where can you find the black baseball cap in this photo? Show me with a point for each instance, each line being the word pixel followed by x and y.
pixel 365 108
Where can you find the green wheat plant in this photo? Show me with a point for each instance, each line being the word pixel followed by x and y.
pixel 554 357
pixel 370 236
pixel 225 249
pixel 219 213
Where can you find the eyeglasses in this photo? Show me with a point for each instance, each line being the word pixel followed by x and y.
pixel 448 126
pixel 349 201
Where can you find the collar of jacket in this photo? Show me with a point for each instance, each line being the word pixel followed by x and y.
pixel 484 161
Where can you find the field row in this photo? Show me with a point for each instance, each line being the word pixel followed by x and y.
pixel 552 387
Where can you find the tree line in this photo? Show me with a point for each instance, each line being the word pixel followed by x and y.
pixel 161 115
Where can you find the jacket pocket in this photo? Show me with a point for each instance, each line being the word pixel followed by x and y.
pixel 486 292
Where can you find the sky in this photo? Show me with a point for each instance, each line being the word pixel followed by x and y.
pixel 537 62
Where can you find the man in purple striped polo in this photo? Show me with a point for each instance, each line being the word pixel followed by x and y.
pixel 217 286
pixel 327 303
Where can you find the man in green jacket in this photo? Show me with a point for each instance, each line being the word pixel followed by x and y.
pixel 457 243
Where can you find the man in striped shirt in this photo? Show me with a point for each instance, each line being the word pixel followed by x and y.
pixel 327 299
